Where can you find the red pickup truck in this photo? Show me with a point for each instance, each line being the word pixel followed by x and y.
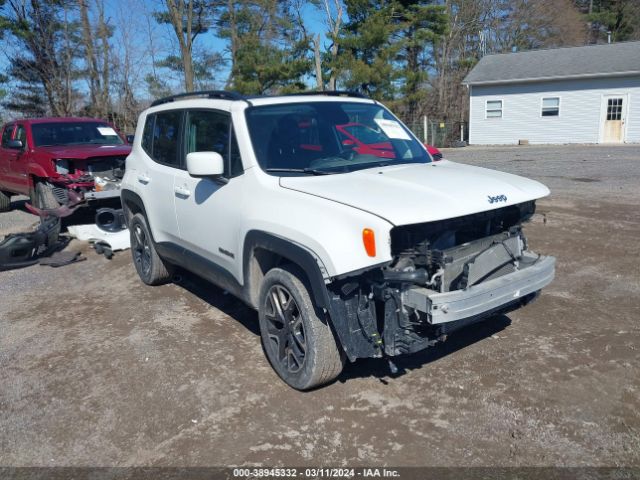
pixel 46 158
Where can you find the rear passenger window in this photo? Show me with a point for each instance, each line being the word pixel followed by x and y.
pixel 166 132
pixel 147 135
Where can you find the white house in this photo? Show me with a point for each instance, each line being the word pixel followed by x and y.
pixel 585 94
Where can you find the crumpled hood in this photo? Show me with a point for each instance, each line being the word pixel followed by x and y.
pixel 82 152
pixel 416 193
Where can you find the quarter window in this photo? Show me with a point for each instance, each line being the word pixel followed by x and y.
pixel 147 135
pixel 166 132
pixel 494 108
pixel 551 107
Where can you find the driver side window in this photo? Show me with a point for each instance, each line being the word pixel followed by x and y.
pixel 21 134
pixel 211 131
pixel 6 135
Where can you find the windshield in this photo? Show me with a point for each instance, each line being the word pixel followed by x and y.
pixel 74 133
pixel 329 137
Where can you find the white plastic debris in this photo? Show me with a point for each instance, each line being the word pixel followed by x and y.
pixel 116 240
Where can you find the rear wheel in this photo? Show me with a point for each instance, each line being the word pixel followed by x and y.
pixel 299 345
pixel 5 202
pixel 44 198
pixel 150 267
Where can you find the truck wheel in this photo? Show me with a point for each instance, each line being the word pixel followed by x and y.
pixel 5 202
pixel 300 347
pixel 44 197
pixel 150 267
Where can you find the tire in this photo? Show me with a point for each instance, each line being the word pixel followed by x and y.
pixel 43 197
pixel 303 351
pixel 150 267
pixel 5 202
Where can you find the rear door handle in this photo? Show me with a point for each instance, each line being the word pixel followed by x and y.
pixel 143 179
pixel 182 192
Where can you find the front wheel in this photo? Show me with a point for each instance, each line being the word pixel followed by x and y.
pixel 299 345
pixel 44 198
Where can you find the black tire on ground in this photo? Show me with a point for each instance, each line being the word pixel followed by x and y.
pixel 5 202
pixel 151 268
pixel 43 197
pixel 299 345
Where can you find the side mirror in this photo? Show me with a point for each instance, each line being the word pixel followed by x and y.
pixel 348 143
pixel 205 164
pixel 15 144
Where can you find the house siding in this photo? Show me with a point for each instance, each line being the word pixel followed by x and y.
pixel 580 111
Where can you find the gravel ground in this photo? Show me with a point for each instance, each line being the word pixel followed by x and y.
pixel 99 370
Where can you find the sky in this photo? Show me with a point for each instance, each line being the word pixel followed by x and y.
pixel 164 39
pixel 136 27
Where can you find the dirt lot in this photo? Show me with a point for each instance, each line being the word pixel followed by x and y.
pixel 98 369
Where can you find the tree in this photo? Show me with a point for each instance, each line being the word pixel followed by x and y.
pixel 620 17
pixel 268 54
pixel 421 24
pixel 97 53
pixel 47 45
pixel 386 47
pixel 367 50
pixel 28 96
pixel 188 18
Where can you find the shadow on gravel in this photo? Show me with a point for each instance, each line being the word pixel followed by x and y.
pixel 362 368
pixel 218 298
pixel 379 367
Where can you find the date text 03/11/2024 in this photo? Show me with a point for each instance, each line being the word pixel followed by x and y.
pixel 315 473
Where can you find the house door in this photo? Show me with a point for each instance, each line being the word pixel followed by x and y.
pixel 613 118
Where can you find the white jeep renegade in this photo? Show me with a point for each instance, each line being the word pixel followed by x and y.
pixel 328 216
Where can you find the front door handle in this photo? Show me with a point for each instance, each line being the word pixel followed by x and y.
pixel 182 192
pixel 143 179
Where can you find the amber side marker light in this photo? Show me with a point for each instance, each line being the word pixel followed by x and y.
pixel 369 241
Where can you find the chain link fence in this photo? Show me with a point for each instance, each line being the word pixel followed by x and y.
pixel 440 133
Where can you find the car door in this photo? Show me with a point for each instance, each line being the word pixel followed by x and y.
pixel 161 146
pixel 17 171
pixel 208 209
pixel 7 155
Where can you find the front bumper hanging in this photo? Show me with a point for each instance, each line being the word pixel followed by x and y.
pixel 535 272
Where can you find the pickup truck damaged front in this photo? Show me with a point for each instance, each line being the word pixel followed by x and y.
pixel 444 275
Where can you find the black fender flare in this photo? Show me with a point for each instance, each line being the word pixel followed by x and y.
pixel 301 256
pixel 342 318
pixel 126 197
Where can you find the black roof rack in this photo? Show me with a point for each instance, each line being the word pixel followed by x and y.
pixel 332 93
pixel 230 95
pixel 221 94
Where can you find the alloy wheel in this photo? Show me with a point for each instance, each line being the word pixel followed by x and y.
pixel 285 329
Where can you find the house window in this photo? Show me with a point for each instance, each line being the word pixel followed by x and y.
pixel 494 108
pixel 551 107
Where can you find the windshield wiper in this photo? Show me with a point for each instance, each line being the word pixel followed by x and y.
pixel 307 171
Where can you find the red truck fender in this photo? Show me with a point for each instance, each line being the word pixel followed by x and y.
pixel 35 170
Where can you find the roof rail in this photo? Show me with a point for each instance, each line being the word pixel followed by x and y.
pixel 333 93
pixel 221 94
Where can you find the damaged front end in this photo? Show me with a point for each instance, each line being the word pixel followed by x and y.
pixel 95 178
pixel 444 275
